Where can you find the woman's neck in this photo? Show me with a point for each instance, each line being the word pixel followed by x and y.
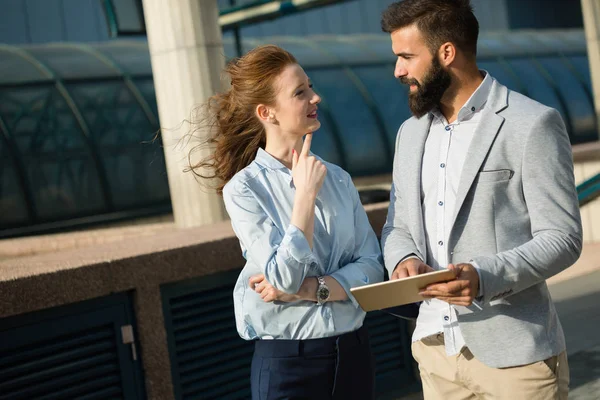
pixel 281 147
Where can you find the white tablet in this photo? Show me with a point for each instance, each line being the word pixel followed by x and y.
pixel 382 295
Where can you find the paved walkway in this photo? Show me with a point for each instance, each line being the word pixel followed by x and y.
pixel 578 304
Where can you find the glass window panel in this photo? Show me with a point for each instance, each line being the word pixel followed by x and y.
pixel 13 210
pixel 564 42
pixel 581 110
pixel 502 75
pixel 60 168
pixel 146 88
pixel 13 22
pixel 390 96
pixel 345 52
pixel 224 4
pixel 229 45
pixel 324 142
pixel 15 69
pixel 362 143
pixel 131 56
pixel 129 15
pixel 381 50
pixel 68 62
pixel 79 21
pixel 44 20
pixel 123 136
pixel 494 44
pixel 315 22
pixel 305 55
pixel 537 86
pixel 582 66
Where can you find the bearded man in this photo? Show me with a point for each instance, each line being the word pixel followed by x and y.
pixel 483 184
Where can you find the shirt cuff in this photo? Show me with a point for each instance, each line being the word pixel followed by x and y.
pixel 480 291
pixel 295 244
pixel 346 284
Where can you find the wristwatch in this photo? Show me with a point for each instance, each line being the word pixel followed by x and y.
pixel 322 291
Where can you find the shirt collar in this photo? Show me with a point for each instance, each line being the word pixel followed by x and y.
pixel 267 160
pixel 475 103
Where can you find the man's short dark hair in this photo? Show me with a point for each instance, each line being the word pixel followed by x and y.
pixel 439 21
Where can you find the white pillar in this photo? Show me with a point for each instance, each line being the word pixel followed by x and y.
pixel 186 50
pixel 591 21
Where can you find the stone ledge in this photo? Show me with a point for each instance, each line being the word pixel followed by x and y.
pixel 51 279
pixel 586 152
pixel 49 243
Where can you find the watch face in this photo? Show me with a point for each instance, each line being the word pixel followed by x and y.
pixel 323 293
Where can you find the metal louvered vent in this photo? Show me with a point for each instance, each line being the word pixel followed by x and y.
pixel 210 361
pixel 208 358
pixel 77 356
pixel 391 347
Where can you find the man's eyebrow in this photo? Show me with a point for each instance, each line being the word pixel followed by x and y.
pixel 404 55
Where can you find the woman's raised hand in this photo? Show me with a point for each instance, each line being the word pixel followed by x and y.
pixel 308 172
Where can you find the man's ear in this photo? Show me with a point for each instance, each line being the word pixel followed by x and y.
pixel 265 113
pixel 447 54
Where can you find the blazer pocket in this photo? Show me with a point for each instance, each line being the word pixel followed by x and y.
pixel 497 175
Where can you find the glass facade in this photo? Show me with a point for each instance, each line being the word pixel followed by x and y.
pixel 78 122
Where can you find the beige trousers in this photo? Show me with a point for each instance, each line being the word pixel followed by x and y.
pixel 463 377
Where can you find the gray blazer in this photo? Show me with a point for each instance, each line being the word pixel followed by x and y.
pixel 516 216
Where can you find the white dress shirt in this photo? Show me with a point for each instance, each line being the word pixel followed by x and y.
pixel 443 159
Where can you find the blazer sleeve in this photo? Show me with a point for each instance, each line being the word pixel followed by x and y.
pixel 551 198
pixel 396 240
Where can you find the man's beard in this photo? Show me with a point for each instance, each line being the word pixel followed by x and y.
pixel 429 93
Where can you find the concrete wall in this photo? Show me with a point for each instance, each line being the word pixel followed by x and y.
pixel 138 264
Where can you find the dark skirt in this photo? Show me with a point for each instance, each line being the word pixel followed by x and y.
pixel 338 367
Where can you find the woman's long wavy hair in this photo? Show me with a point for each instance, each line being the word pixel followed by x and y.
pixel 238 133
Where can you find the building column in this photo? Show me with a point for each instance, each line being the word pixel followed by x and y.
pixel 591 21
pixel 186 51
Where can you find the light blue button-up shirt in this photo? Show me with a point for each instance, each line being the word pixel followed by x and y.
pixel 259 200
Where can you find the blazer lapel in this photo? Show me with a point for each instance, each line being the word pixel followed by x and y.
pixel 483 139
pixel 414 147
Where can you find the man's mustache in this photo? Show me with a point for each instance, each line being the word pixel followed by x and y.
pixel 407 81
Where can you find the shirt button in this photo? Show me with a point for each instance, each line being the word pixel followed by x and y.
pixel 441 203
pixel 442 165
pixel 441 243
pixel 447 127
pixel 473 109
pixel 446 318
